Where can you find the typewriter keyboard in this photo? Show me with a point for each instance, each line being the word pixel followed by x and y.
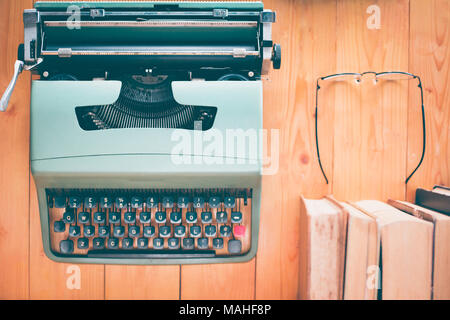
pixel 169 223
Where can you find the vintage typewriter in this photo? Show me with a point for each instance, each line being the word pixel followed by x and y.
pixel 116 87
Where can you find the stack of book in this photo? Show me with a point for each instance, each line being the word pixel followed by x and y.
pixel 374 250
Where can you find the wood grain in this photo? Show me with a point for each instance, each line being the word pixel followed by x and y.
pixel 303 29
pixel 430 59
pixel 371 119
pixel 14 164
pixel 142 282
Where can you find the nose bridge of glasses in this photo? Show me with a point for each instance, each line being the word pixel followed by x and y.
pixel 368 74
pixel 350 76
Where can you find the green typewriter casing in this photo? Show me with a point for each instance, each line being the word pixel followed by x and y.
pixel 188 40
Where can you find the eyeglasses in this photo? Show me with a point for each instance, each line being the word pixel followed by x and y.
pixel 357 77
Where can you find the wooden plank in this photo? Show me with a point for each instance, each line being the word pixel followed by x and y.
pixel 14 169
pixel 219 281
pixel 430 59
pixel 142 282
pixel 52 280
pixel 370 119
pixel 303 29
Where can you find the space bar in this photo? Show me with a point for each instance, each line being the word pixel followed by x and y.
pixel 151 254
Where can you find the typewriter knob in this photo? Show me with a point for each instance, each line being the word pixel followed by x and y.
pixel 276 56
pixel 21 52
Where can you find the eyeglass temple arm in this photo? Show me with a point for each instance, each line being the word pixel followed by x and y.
pixel 317 136
pixel 424 135
pixel 423 131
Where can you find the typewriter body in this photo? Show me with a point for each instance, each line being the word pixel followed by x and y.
pixel 121 86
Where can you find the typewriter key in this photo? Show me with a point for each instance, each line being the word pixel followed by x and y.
pixel 206 217
pixel 221 217
pixel 167 202
pixel 59 226
pixel 83 243
pixel 214 202
pixel 127 243
pixel 218 243
pixel 195 231
pixel 234 246
pixel 210 231
pixel 225 231
pixel 174 243
pixel 74 202
pixel 60 202
pixel 103 231
pixel 90 202
pixel 158 243
pixel 129 217
pixel 114 217
pixel 84 217
pixel 98 243
pixel 160 217
pixel 236 217
pixel 134 231
pixel 121 202
pixel 69 217
pixel 66 247
pixel 145 217
pixel 113 243
pixel 183 202
pixel 198 202
pixel 149 231
pixel 99 217
pixel 229 202
pixel 89 231
pixel 191 217
pixel 202 243
pixel 175 217
pixel 164 231
pixel 188 243
pixel 119 231
pixel 239 231
pixel 142 243
pixel 136 202
pixel 105 202
pixel 180 231
pixel 74 231
pixel 152 202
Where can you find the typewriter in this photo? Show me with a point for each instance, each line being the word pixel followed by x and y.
pixel 121 94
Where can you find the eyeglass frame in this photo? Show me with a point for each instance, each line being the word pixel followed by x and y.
pixel 361 75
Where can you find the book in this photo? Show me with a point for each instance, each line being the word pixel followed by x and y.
pixel 437 200
pixel 442 190
pixel 322 249
pixel 361 279
pixel 441 246
pixel 406 252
